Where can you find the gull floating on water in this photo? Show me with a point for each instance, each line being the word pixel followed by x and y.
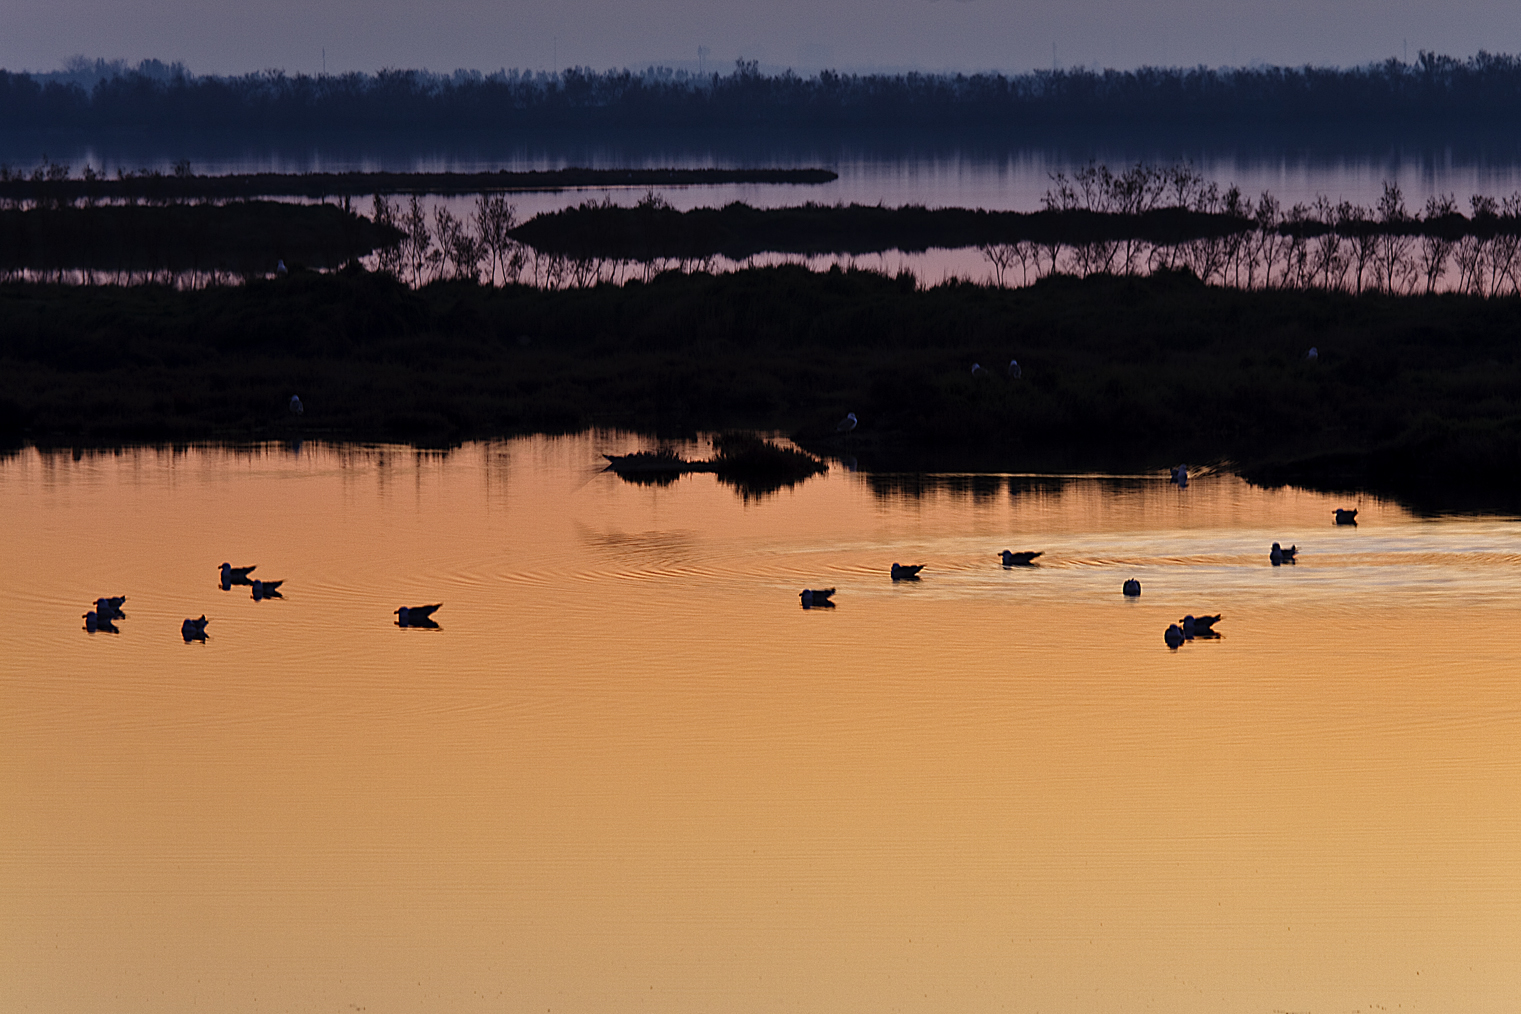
pixel 1131 588
pixel 1173 636
pixel 1279 555
pixel 1195 626
pixel 266 589
pixel 1180 475
pixel 235 575
pixel 907 573
pixel 417 616
pixel 846 424
pixel 816 598
pixel 94 621
pixel 110 609
pixel 1019 559
pixel 1346 517
pixel 194 630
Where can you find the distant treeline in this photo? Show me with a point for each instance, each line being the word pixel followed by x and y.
pixel 1484 89
pixel 55 183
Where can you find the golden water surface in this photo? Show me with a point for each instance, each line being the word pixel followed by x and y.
pixel 630 773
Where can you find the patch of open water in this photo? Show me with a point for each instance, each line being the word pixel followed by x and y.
pixel 629 772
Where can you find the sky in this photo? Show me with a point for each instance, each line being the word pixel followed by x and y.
pixel 934 35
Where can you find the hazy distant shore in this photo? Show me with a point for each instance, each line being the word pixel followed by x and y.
pixel 1416 393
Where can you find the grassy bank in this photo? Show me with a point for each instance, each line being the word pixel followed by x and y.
pixel 241 236
pixel 1409 394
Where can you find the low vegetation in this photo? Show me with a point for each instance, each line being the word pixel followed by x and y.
pixel 213 242
pixel 1407 393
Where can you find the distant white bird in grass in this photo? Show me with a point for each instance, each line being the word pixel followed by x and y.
pixel 906 573
pixel 1313 355
pixel 1199 626
pixel 816 598
pixel 1173 636
pixel 194 630
pixel 266 589
pixel 296 408
pixel 1180 475
pixel 417 616
pixel 1346 517
pixel 846 424
pixel 1131 588
pixel 1279 555
pixel 1023 559
pixel 1014 371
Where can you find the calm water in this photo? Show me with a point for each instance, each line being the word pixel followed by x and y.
pixel 630 774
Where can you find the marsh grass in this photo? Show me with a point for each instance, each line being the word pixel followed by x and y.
pixel 1119 373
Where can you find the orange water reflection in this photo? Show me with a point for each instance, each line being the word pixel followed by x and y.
pixel 630 773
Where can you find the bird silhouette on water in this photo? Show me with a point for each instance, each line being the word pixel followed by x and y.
pixel 296 408
pixel 1173 636
pixel 266 589
pixel 417 616
pixel 1180 475
pixel 110 608
pixel 816 598
pixel 194 630
pixel 1346 517
pixel 906 573
pixel 1014 371
pixel 1200 626
pixel 847 424
pixel 1280 556
pixel 1131 588
pixel 231 575
pixel 1023 559
pixel 93 622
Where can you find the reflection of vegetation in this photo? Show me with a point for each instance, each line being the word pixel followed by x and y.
pixel 752 465
pixel 237 238
pixel 758 467
pixel 1118 373
pixel 1433 89
pixel 1138 221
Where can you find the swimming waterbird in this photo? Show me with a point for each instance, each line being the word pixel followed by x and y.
pixel 908 573
pixel 1023 559
pixel 1279 555
pixel 110 608
pixel 846 424
pixel 1173 636
pixel 194 630
pixel 1014 371
pixel 816 598
pixel 1180 475
pixel 266 589
pixel 1131 588
pixel 235 575
pixel 296 407
pixel 1194 626
pixel 1346 517
pixel 417 616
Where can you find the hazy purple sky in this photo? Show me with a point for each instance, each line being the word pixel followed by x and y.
pixel 223 37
